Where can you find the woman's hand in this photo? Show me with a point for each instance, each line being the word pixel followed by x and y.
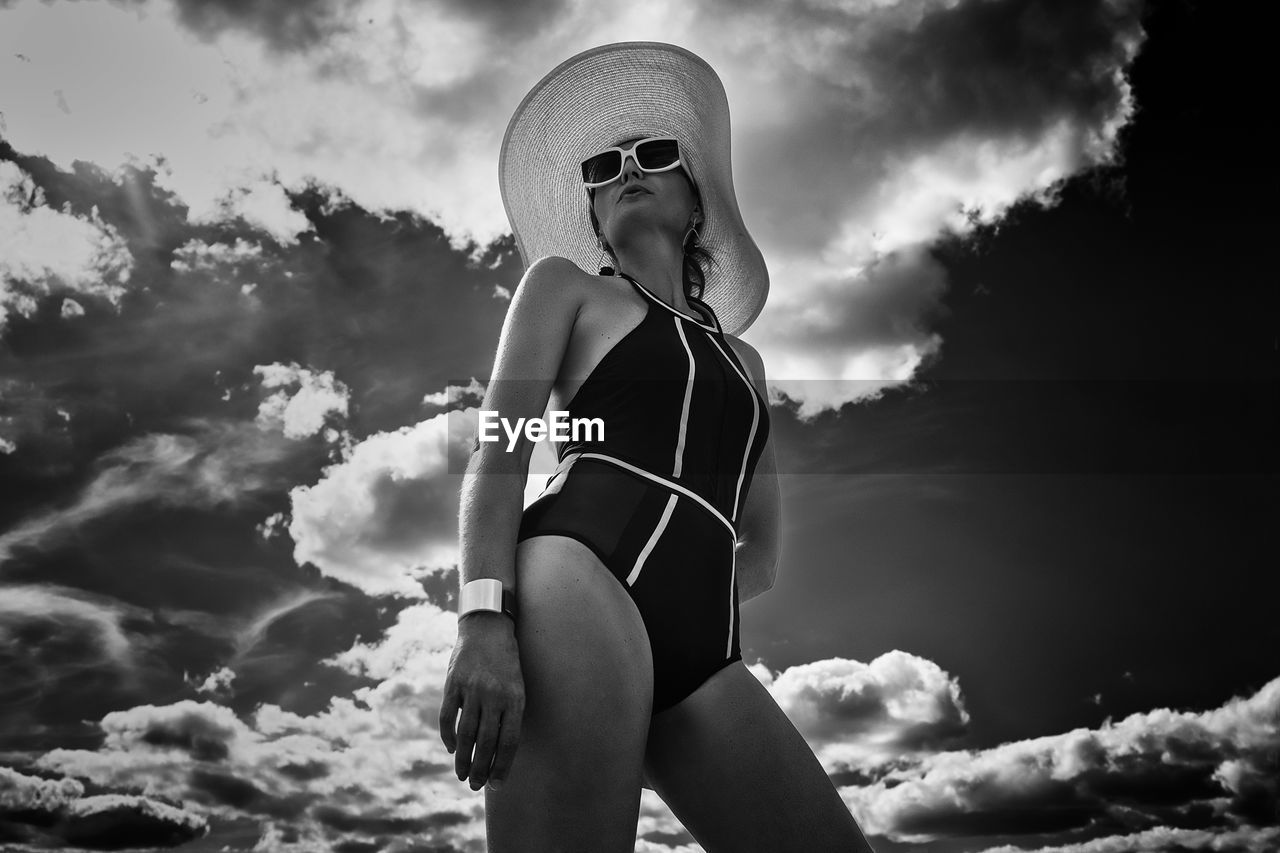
pixel 484 682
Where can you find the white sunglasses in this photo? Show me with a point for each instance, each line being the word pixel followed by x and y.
pixel 653 154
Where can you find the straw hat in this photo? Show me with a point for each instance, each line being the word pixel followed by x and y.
pixel 598 98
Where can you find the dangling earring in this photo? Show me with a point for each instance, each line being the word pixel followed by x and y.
pixel 696 236
pixel 604 269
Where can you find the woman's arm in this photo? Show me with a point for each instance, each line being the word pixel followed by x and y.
pixel 484 681
pixel 759 531
pixel 534 338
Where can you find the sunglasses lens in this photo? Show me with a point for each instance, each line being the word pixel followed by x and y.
pixel 602 167
pixel 657 154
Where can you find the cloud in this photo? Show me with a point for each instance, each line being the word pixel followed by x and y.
pixel 116 821
pixel 387 513
pixel 68 607
pixel 353 773
pixel 858 718
pixel 371 766
pixel 923 113
pixel 357 771
pixel 27 414
pixel 869 130
pixel 842 344
pixel 66 645
pixel 217 258
pixel 410 663
pixel 1246 839
pixel 53 812
pixel 284 24
pixel 658 830
pixel 22 793
pixel 863 131
pixel 50 251
pixel 202 730
pixel 205 309
pixel 453 394
pixel 854 714
pixel 306 411
pixel 298 25
pixel 71 308
pixel 218 464
pixel 217 683
pixel 1162 767
pixel 237 121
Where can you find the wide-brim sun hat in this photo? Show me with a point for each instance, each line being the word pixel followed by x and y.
pixel 598 98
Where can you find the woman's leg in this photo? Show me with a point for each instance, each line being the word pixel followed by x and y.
pixel 588 676
pixel 740 777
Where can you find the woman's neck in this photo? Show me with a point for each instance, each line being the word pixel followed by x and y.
pixel 660 268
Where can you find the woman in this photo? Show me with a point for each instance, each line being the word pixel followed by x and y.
pixel 613 662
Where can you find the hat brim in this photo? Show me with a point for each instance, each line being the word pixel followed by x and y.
pixel 597 98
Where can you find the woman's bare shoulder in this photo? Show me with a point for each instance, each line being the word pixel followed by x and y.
pixel 565 280
pixel 751 359
pixel 552 284
pixel 553 269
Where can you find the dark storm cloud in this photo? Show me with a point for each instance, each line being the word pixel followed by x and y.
pixel 358 846
pixel 305 771
pixel 508 17
pixel 217 465
pixel 62 649
pixel 427 769
pixel 1010 65
pixel 114 822
pixel 891 82
pixel 285 24
pixel 299 25
pixel 244 795
pixel 1164 839
pixel 202 746
pixel 383 303
pixel 346 821
pixel 896 299
pixel 54 812
pixel 121 413
pixel 142 468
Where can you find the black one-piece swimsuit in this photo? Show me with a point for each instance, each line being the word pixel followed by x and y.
pixel 659 498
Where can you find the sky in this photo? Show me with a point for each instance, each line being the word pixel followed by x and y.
pixel 1021 346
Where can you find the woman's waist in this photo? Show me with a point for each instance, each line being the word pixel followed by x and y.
pixel 695 459
pixel 699 488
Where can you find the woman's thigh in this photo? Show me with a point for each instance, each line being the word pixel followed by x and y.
pixel 740 777
pixel 574 783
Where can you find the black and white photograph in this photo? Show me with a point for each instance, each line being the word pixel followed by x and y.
pixel 431 426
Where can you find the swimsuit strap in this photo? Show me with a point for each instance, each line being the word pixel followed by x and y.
pixel 702 304
pixel 712 326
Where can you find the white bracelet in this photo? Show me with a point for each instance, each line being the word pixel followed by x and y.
pixel 486 594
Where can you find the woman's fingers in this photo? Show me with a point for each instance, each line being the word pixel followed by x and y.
pixel 468 725
pixel 508 739
pixel 486 742
pixel 449 716
pixel 487 739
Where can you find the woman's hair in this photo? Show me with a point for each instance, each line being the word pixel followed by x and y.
pixel 697 260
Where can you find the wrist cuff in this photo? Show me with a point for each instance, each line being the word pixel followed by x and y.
pixel 486 594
